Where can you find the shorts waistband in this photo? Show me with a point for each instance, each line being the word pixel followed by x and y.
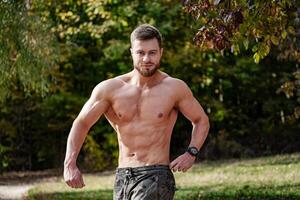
pixel 142 168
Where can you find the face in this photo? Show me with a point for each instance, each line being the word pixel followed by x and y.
pixel 146 56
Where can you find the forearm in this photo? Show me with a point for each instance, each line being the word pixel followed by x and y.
pixel 199 132
pixel 75 140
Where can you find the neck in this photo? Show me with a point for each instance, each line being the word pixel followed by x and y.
pixel 142 81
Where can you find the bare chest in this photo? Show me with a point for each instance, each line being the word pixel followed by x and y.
pixel 131 103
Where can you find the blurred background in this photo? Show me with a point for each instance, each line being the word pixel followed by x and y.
pixel 240 58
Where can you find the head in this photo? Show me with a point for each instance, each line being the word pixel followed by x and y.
pixel 146 50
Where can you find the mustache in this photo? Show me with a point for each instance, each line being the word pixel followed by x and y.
pixel 146 64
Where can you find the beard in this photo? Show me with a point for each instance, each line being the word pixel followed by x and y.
pixel 147 72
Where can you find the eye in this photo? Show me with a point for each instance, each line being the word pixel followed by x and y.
pixel 140 53
pixel 152 53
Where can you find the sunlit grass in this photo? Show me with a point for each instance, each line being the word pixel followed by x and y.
pixel 274 177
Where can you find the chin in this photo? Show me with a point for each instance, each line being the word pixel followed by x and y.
pixel 146 73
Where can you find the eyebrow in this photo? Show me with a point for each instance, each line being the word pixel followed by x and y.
pixel 140 50
pixel 149 50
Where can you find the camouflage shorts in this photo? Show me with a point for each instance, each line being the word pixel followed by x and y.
pixel 154 182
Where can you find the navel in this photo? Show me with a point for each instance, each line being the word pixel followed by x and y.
pixel 160 115
pixel 120 115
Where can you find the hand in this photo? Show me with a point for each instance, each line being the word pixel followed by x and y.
pixel 73 177
pixel 183 162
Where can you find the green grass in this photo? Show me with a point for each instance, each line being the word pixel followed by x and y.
pixel 274 177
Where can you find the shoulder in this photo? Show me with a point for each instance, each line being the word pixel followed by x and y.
pixel 177 84
pixel 106 87
pixel 180 89
pixel 112 84
pixel 108 84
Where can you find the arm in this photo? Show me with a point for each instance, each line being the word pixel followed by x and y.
pixel 192 110
pixel 90 113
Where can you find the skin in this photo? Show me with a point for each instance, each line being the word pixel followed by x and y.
pixel 142 107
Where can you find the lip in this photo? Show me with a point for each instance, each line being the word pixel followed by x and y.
pixel 147 66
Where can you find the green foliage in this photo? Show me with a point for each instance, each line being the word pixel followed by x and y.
pixel 94 158
pixel 233 24
pixel 247 116
pixel 242 193
pixel 7 137
pixel 256 25
pixel 27 50
pixel 99 194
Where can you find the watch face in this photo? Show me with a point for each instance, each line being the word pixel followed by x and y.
pixel 193 151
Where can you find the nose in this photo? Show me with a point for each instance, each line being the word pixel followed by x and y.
pixel 146 58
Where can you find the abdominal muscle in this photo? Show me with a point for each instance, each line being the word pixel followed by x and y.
pixel 143 146
pixel 144 143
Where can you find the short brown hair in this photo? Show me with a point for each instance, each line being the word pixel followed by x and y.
pixel 146 32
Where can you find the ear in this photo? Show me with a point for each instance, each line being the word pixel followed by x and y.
pixel 131 51
pixel 161 51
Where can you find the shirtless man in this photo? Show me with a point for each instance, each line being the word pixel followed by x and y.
pixel 142 107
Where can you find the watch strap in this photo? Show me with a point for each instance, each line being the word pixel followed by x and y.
pixel 193 151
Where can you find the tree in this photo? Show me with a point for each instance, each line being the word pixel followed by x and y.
pixel 249 24
pixel 93 42
pixel 27 49
pixel 260 25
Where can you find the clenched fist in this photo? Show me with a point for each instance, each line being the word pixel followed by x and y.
pixel 73 177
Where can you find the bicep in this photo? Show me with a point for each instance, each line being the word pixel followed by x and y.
pixel 94 107
pixel 92 110
pixel 189 106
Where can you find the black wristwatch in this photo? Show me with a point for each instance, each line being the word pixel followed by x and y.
pixel 193 151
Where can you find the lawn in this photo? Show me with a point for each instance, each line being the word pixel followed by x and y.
pixel 274 177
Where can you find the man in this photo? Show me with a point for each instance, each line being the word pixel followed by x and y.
pixel 142 107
